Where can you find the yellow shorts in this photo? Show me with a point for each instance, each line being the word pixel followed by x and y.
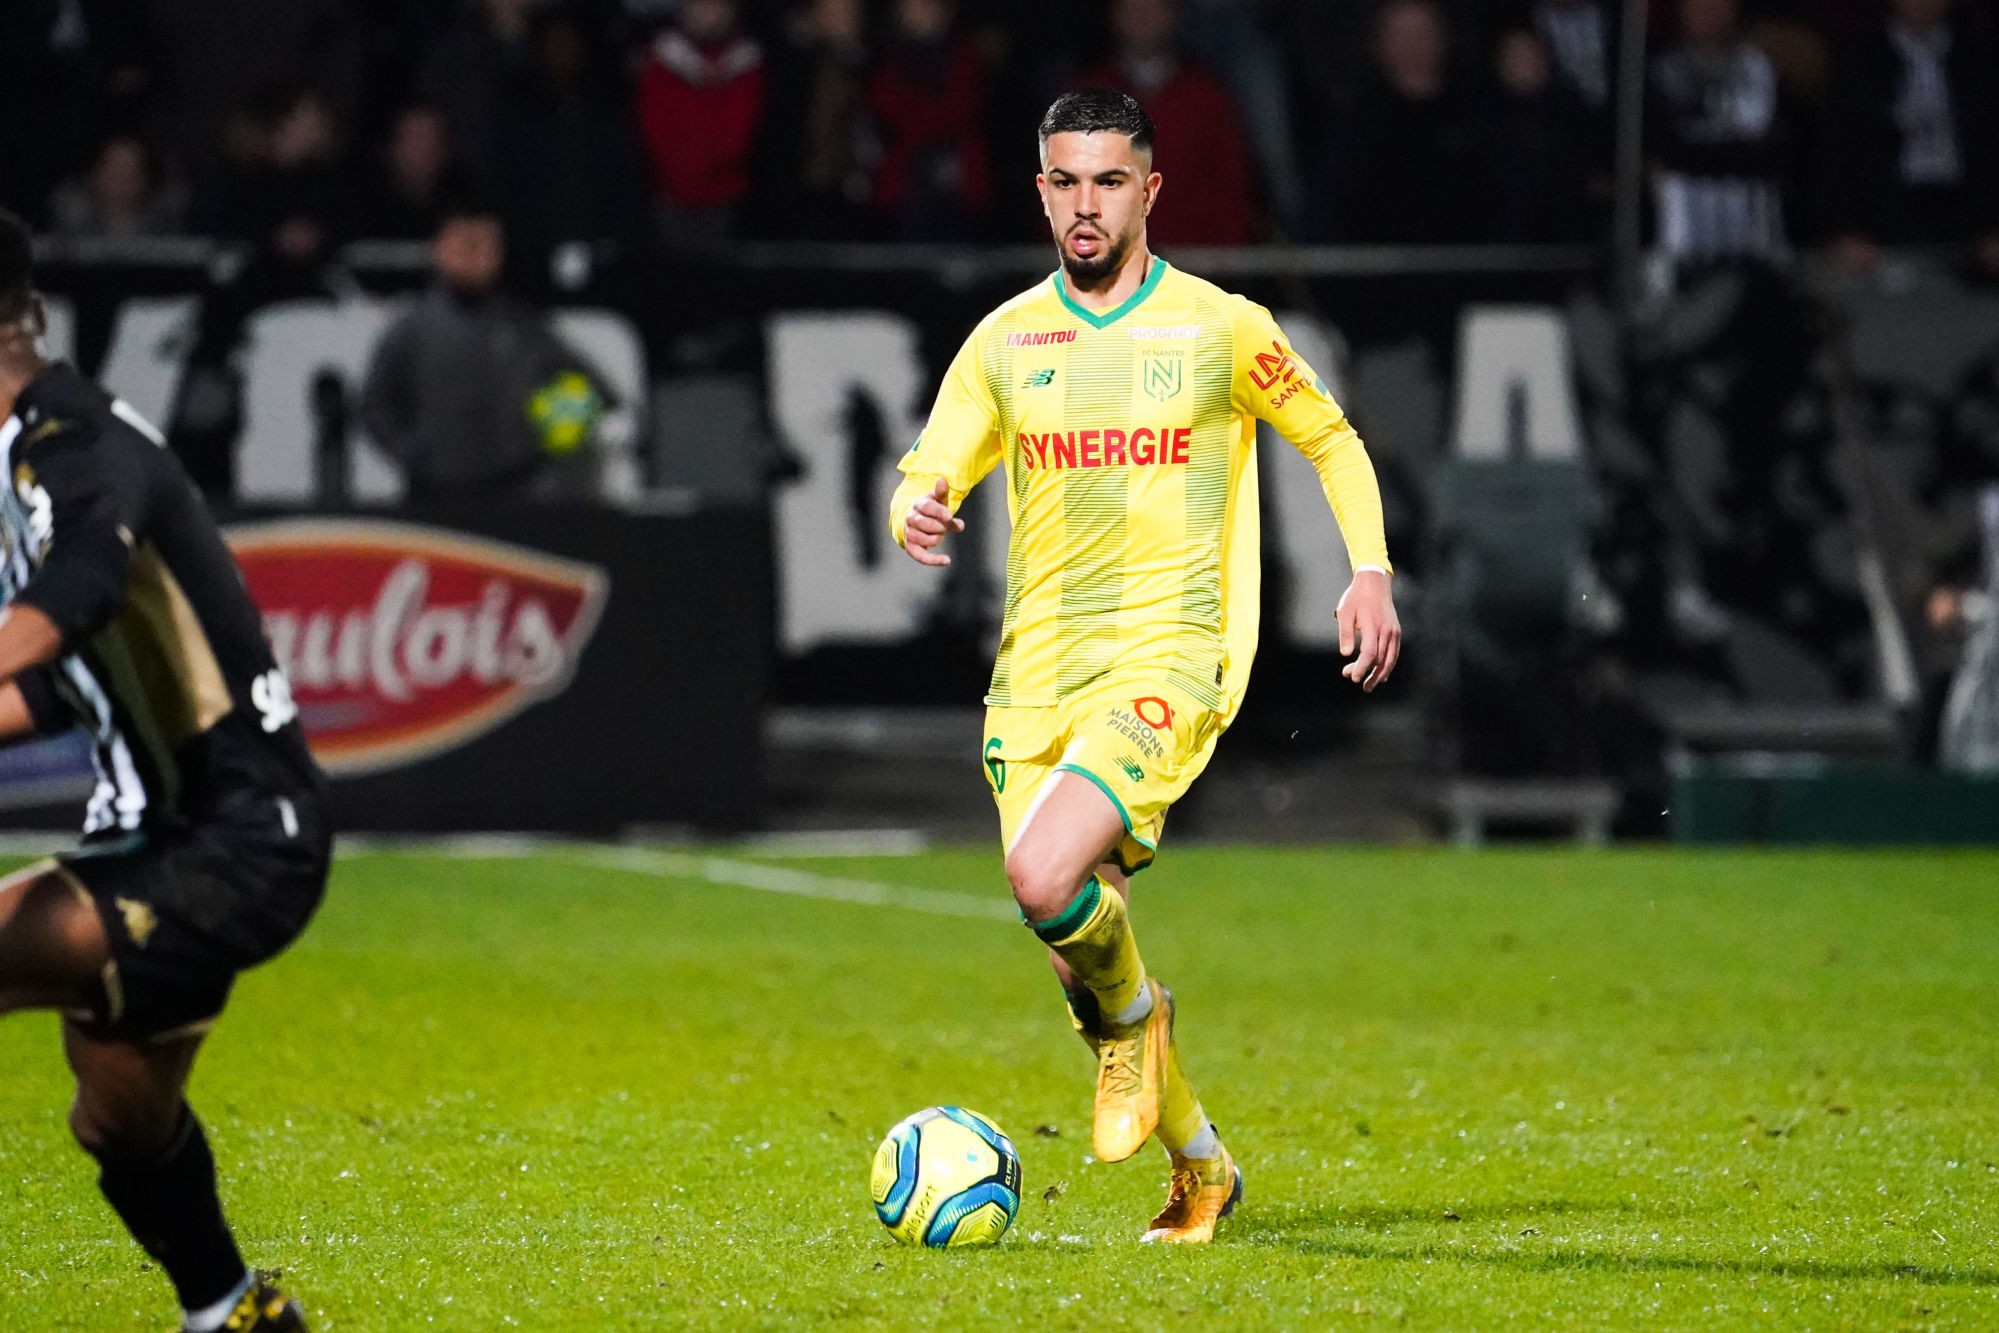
pixel 1141 743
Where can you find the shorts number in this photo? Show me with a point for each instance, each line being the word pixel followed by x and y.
pixel 995 766
pixel 272 694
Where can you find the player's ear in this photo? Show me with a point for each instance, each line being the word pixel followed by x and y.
pixel 38 317
pixel 1041 188
pixel 1152 184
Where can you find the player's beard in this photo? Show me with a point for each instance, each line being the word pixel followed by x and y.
pixel 1088 274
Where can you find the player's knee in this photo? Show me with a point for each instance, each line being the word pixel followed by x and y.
pixel 94 1132
pixel 76 933
pixel 1042 886
pixel 107 1127
pixel 55 948
pixel 56 925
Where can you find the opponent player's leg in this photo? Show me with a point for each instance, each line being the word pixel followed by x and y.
pixel 156 1172
pixel 53 949
pixel 1053 866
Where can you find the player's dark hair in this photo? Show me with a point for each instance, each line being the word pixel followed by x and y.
pixel 1099 111
pixel 17 267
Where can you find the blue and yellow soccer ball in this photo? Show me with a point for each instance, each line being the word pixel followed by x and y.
pixel 565 412
pixel 946 1176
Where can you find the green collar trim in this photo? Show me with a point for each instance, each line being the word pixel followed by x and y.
pixel 1097 321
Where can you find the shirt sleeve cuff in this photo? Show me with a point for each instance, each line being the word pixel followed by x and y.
pixel 38 691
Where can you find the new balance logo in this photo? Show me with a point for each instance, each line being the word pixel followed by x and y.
pixel 1040 379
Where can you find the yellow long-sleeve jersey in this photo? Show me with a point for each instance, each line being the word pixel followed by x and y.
pixel 1129 444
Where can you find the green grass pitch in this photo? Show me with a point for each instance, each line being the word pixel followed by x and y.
pixel 1527 1089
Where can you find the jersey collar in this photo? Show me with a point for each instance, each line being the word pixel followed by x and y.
pixel 1104 321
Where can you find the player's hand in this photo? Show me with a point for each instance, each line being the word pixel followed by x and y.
pixel 1368 622
pixel 928 523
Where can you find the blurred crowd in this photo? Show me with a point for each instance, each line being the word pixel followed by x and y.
pixel 1772 124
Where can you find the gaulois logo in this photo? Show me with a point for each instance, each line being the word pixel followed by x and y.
pixel 402 641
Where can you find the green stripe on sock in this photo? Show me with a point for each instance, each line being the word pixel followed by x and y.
pixel 1073 916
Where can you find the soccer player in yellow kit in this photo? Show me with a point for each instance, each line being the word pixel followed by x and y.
pixel 1120 400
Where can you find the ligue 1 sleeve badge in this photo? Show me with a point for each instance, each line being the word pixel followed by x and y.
pixel 402 642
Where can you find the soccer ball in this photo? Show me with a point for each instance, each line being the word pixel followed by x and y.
pixel 564 412
pixel 946 1176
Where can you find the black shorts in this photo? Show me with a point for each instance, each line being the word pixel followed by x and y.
pixel 187 908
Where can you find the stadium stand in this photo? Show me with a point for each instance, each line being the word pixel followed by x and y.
pixel 782 215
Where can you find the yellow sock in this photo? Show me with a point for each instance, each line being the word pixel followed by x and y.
pixel 1093 936
pixel 1085 1017
pixel 1181 1118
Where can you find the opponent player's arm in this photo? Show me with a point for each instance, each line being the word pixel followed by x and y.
pixel 28 640
pixel 29 707
pixel 16 722
pixel 957 448
pixel 1274 382
pixel 81 514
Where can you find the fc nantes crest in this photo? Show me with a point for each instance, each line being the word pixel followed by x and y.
pixel 1163 374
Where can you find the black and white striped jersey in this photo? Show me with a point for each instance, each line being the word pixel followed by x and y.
pixel 1719 127
pixel 164 663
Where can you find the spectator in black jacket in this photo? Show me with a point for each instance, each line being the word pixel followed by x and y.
pixel 1404 167
pixel 467 71
pixel 1913 153
pixel 124 193
pixel 451 388
pixel 71 73
pixel 417 175
pixel 1535 138
pixel 1720 131
pixel 281 183
pixel 216 54
pixel 570 170
pixel 1581 37
pixel 814 143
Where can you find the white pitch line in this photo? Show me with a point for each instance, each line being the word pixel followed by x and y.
pixel 37 842
pixel 794 883
pixel 662 864
pixel 450 846
pixel 806 843
pixel 803 843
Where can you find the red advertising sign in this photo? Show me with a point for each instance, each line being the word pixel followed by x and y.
pixel 403 641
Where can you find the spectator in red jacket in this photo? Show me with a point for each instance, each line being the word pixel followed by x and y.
pixel 700 95
pixel 1200 133
pixel 928 96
